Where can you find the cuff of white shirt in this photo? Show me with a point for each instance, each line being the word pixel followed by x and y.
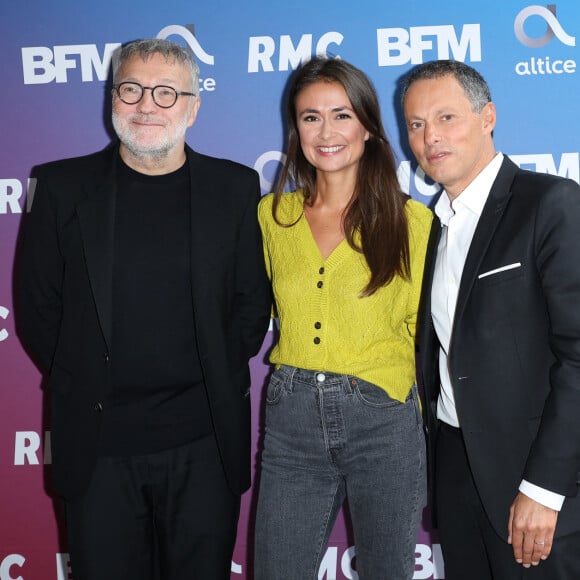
pixel 541 495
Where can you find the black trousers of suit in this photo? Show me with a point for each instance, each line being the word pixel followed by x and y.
pixel 472 549
pixel 164 516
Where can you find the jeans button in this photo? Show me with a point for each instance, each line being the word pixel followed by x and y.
pixel 320 377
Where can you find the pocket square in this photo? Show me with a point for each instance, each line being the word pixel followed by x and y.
pixel 502 269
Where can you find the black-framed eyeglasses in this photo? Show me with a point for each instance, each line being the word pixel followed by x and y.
pixel 165 97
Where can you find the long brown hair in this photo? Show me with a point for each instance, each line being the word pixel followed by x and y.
pixel 377 207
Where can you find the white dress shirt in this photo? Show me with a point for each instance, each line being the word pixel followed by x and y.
pixel 459 219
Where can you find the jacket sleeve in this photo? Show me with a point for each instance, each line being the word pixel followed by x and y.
pixel 554 459
pixel 39 277
pixel 253 295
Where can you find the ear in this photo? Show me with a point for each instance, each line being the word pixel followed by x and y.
pixel 194 109
pixel 488 117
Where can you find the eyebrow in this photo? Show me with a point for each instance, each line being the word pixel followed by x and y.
pixel 437 113
pixel 334 110
pixel 162 82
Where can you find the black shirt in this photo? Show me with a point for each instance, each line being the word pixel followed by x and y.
pixel 158 400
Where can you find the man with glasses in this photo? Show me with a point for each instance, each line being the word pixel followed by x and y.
pixel 142 294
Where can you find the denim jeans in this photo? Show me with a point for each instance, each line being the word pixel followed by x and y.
pixel 328 438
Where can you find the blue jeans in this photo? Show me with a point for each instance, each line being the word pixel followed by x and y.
pixel 329 438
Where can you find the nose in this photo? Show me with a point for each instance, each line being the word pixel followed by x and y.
pixel 430 134
pixel 146 103
pixel 325 129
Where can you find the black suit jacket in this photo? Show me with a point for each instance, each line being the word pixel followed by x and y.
pixel 514 355
pixel 64 295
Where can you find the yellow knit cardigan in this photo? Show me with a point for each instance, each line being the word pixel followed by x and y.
pixel 325 325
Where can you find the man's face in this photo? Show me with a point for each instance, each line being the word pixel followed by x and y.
pixel 146 129
pixel 451 142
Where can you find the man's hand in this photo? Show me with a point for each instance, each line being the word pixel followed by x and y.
pixel 531 530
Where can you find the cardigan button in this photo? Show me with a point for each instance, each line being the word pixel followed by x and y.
pixel 317 325
pixel 316 340
pixel 319 284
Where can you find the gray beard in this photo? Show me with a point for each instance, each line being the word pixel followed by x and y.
pixel 149 154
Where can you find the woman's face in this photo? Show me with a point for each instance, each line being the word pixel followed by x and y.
pixel 331 136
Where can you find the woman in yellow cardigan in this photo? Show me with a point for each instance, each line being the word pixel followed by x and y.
pixel 345 254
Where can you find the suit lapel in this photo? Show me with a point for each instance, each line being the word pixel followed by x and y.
pixel 493 209
pixel 196 187
pixel 426 324
pixel 205 218
pixel 427 336
pixel 96 216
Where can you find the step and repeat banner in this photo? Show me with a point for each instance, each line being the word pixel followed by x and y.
pixel 53 104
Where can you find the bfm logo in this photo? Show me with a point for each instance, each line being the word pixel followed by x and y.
pixel 399 46
pixel 42 65
pixel 545 163
pixel 543 65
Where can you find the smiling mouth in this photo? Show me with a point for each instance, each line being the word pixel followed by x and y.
pixel 437 156
pixel 139 120
pixel 332 149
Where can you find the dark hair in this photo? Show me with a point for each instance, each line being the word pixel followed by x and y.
pixel 474 85
pixel 146 47
pixel 377 207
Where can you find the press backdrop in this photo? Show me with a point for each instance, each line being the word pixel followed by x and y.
pixel 53 95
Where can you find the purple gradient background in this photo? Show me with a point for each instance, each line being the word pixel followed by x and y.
pixel 240 120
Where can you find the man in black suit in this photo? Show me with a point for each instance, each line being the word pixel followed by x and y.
pixel 500 340
pixel 142 295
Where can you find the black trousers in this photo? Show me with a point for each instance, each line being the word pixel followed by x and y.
pixel 164 516
pixel 472 549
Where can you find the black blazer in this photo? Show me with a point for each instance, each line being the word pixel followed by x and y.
pixel 63 301
pixel 514 356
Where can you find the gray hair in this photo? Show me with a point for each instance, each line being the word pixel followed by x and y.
pixel 474 85
pixel 144 48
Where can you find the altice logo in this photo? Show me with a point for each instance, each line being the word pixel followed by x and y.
pixel 207 84
pixel 187 33
pixel 543 64
pixel 554 28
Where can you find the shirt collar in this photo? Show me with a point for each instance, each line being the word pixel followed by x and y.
pixel 474 196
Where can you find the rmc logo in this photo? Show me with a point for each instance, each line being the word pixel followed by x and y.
pixel 290 53
pixel 42 64
pixel 399 46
